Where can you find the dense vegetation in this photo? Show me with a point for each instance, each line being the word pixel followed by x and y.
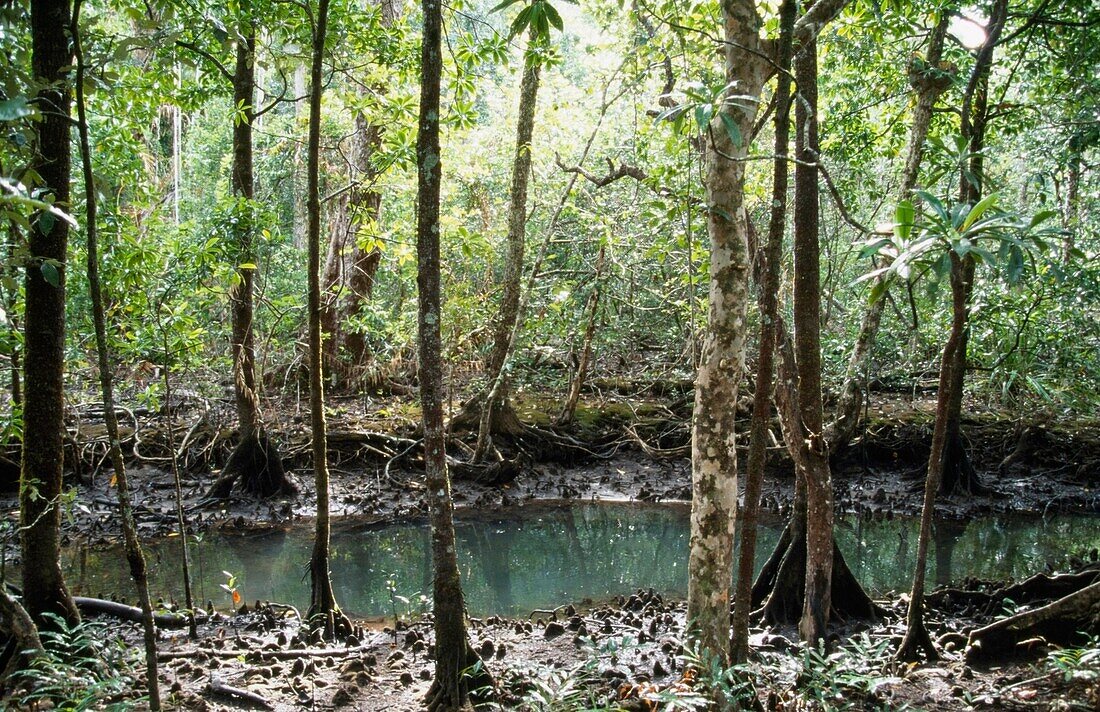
pixel 607 198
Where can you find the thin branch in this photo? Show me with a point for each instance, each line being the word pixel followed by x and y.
pixel 207 56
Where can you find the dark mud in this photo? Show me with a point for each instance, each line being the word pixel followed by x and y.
pixel 624 650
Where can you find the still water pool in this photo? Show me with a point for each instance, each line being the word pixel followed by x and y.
pixel 543 556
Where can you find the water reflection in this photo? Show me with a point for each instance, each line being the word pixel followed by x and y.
pixel 541 557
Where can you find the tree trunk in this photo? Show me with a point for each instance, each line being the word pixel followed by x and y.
pixel 713 457
pixel 930 80
pixel 767 266
pixel 244 347
pixel 324 613
pixel 781 585
pixel 255 464
pixel 24 644
pixel 747 63
pixel 1071 219
pixel 570 407
pixel 44 589
pixel 504 332
pixel 945 433
pixel 807 345
pixel 134 554
pixel 454 655
pixel 348 279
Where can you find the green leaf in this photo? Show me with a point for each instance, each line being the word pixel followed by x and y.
pixel 873 248
pixel 13 109
pixel 878 290
pixel 732 129
pixel 46 221
pixel 247 265
pixel 1014 269
pixel 50 273
pixel 554 18
pixel 904 215
pixel 505 3
pixel 976 212
pixel 523 19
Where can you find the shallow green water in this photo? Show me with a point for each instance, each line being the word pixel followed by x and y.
pixel 545 556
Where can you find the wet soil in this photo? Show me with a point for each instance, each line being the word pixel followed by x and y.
pixel 635 451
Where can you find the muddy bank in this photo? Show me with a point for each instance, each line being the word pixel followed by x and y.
pixel 625 654
pixel 633 451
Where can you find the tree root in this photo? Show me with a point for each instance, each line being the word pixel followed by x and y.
pixel 472 684
pixel 779 590
pixel 1065 622
pixel 255 468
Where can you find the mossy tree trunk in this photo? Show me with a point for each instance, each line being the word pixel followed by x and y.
pixel 44 589
pixel 450 689
pixel 495 399
pixel 747 64
pixel 713 457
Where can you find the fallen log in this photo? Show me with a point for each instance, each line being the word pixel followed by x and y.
pixel 1064 622
pixel 99 606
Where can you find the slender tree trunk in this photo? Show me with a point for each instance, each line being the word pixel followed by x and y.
pixel 1071 219
pixel 134 554
pixel 11 299
pixel 349 268
pixel 714 459
pixel 177 486
pixel 324 613
pixel 44 589
pixel 255 461
pixel 570 407
pixel 953 361
pixel 768 259
pixel 453 654
pixel 807 345
pixel 958 472
pixel 930 80
pixel 916 634
pixel 23 634
pixel 244 347
pixel 504 331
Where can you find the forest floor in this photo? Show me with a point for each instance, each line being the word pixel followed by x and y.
pixel 617 649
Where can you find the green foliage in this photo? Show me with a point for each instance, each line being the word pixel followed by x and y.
pixel 1077 664
pixel 82 668
pixel 849 678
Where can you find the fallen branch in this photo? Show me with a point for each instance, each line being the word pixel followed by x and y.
pixel 219 688
pixel 99 606
pixel 261 654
